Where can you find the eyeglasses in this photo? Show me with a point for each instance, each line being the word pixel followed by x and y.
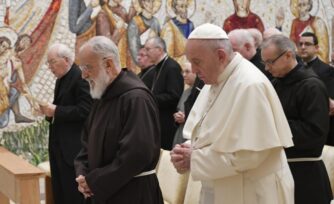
pixel 271 62
pixel 306 44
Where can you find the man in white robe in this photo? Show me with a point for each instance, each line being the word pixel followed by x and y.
pixel 237 128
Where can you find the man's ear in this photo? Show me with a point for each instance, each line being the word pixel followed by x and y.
pixel 289 54
pixel 109 64
pixel 247 46
pixel 66 60
pixel 221 55
pixel 317 47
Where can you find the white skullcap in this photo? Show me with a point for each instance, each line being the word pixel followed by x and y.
pixel 208 31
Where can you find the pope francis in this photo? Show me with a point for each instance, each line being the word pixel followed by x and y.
pixel 237 128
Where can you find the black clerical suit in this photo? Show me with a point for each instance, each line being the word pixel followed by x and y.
pixel 167 88
pixel 73 103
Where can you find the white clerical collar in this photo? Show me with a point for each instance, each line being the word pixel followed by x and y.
pixel 162 58
pixel 315 57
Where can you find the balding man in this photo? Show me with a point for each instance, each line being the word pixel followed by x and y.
pixel 243 42
pixel 237 128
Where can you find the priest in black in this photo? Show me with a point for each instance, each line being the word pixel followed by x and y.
pixel 308 48
pixel 121 139
pixel 305 103
pixel 67 114
pixel 167 87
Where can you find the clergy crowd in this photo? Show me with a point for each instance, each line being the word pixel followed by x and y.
pixel 248 116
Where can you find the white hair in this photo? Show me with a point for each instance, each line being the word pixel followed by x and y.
pixel 243 36
pixel 103 47
pixel 257 35
pixel 63 51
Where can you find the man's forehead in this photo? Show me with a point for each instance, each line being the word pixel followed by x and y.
pixel 52 53
pixel 87 54
pixel 88 57
pixel 149 42
pixel 271 49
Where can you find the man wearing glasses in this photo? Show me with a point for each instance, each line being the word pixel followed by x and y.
pixel 305 103
pixel 308 49
pixel 66 114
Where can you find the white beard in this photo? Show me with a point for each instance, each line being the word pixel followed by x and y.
pixel 101 83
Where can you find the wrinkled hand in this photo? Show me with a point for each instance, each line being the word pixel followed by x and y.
pixel 180 157
pixel 179 117
pixel 48 109
pixel 83 186
pixel 331 107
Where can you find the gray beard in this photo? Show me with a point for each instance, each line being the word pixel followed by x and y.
pixel 101 83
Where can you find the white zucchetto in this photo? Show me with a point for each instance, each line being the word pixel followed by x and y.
pixel 208 31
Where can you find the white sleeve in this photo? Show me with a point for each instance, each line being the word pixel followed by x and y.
pixel 8 3
pixel 207 164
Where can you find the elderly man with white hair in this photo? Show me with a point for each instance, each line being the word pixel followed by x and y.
pixel 121 139
pixel 243 42
pixel 237 128
pixel 66 114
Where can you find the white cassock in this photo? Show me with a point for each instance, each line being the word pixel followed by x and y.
pixel 238 130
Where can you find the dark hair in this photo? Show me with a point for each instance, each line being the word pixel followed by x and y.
pixel 19 39
pixel 309 34
pixel 5 39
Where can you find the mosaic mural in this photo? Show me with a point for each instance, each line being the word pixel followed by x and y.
pixel 28 27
